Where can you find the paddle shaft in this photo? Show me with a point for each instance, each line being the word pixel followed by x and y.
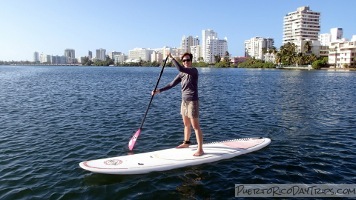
pixel 149 104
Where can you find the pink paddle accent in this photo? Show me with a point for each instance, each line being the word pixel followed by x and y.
pixel 133 139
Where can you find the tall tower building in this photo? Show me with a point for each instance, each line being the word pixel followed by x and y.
pixel 70 53
pixel 207 34
pixel 101 54
pixel 36 57
pixel 303 24
pixel 212 46
pixel 114 53
pixel 90 55
pixel 188 42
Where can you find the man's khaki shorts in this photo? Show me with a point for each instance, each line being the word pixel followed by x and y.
pixel 190 109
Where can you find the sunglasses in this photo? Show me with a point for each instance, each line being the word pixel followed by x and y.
pixel 186 60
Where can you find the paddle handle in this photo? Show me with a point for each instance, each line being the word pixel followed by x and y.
pixel 149 104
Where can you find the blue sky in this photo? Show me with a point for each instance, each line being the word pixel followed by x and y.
pixel 50 26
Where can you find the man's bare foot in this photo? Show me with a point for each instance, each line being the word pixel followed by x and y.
pixel 199 153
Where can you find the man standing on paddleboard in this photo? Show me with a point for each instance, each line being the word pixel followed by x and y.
pixel 188 77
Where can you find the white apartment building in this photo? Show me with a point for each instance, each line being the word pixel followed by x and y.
pixel 156 56
pixel 140 54
pixel 166 50
pixel 212 46
pixel 324 51
pixel 334 35
pixel 159 54
pixel 301 25
pixel 254 47
pixel 342 54
pixel 205 35
pixel 119 58
pixel 196 52
pixel 188 42
pixel 45 59
pixel 325 39
pixel 114 53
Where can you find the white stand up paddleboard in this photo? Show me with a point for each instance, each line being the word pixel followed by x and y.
pixel 174 158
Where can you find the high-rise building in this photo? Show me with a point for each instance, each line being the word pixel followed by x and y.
pixel 70 53
pixel 114 53
pixel 36 57
pixel 303 24
pixel 46 59
pixel 212 46
pixel 188 42
pixel 204 50
pixel 90 55
pixel 195 51
pixel 101 54
pixel 256 46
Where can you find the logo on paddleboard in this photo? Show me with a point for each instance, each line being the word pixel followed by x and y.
pixel 113 162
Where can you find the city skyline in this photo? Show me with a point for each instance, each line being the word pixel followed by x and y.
pixel 52 27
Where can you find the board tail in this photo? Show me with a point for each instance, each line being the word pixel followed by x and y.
pixel 133 139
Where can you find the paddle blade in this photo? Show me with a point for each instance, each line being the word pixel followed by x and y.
pixel 133 139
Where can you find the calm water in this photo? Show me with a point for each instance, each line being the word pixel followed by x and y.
pixel 52 118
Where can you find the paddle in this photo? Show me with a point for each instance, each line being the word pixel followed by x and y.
pixel 135 136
